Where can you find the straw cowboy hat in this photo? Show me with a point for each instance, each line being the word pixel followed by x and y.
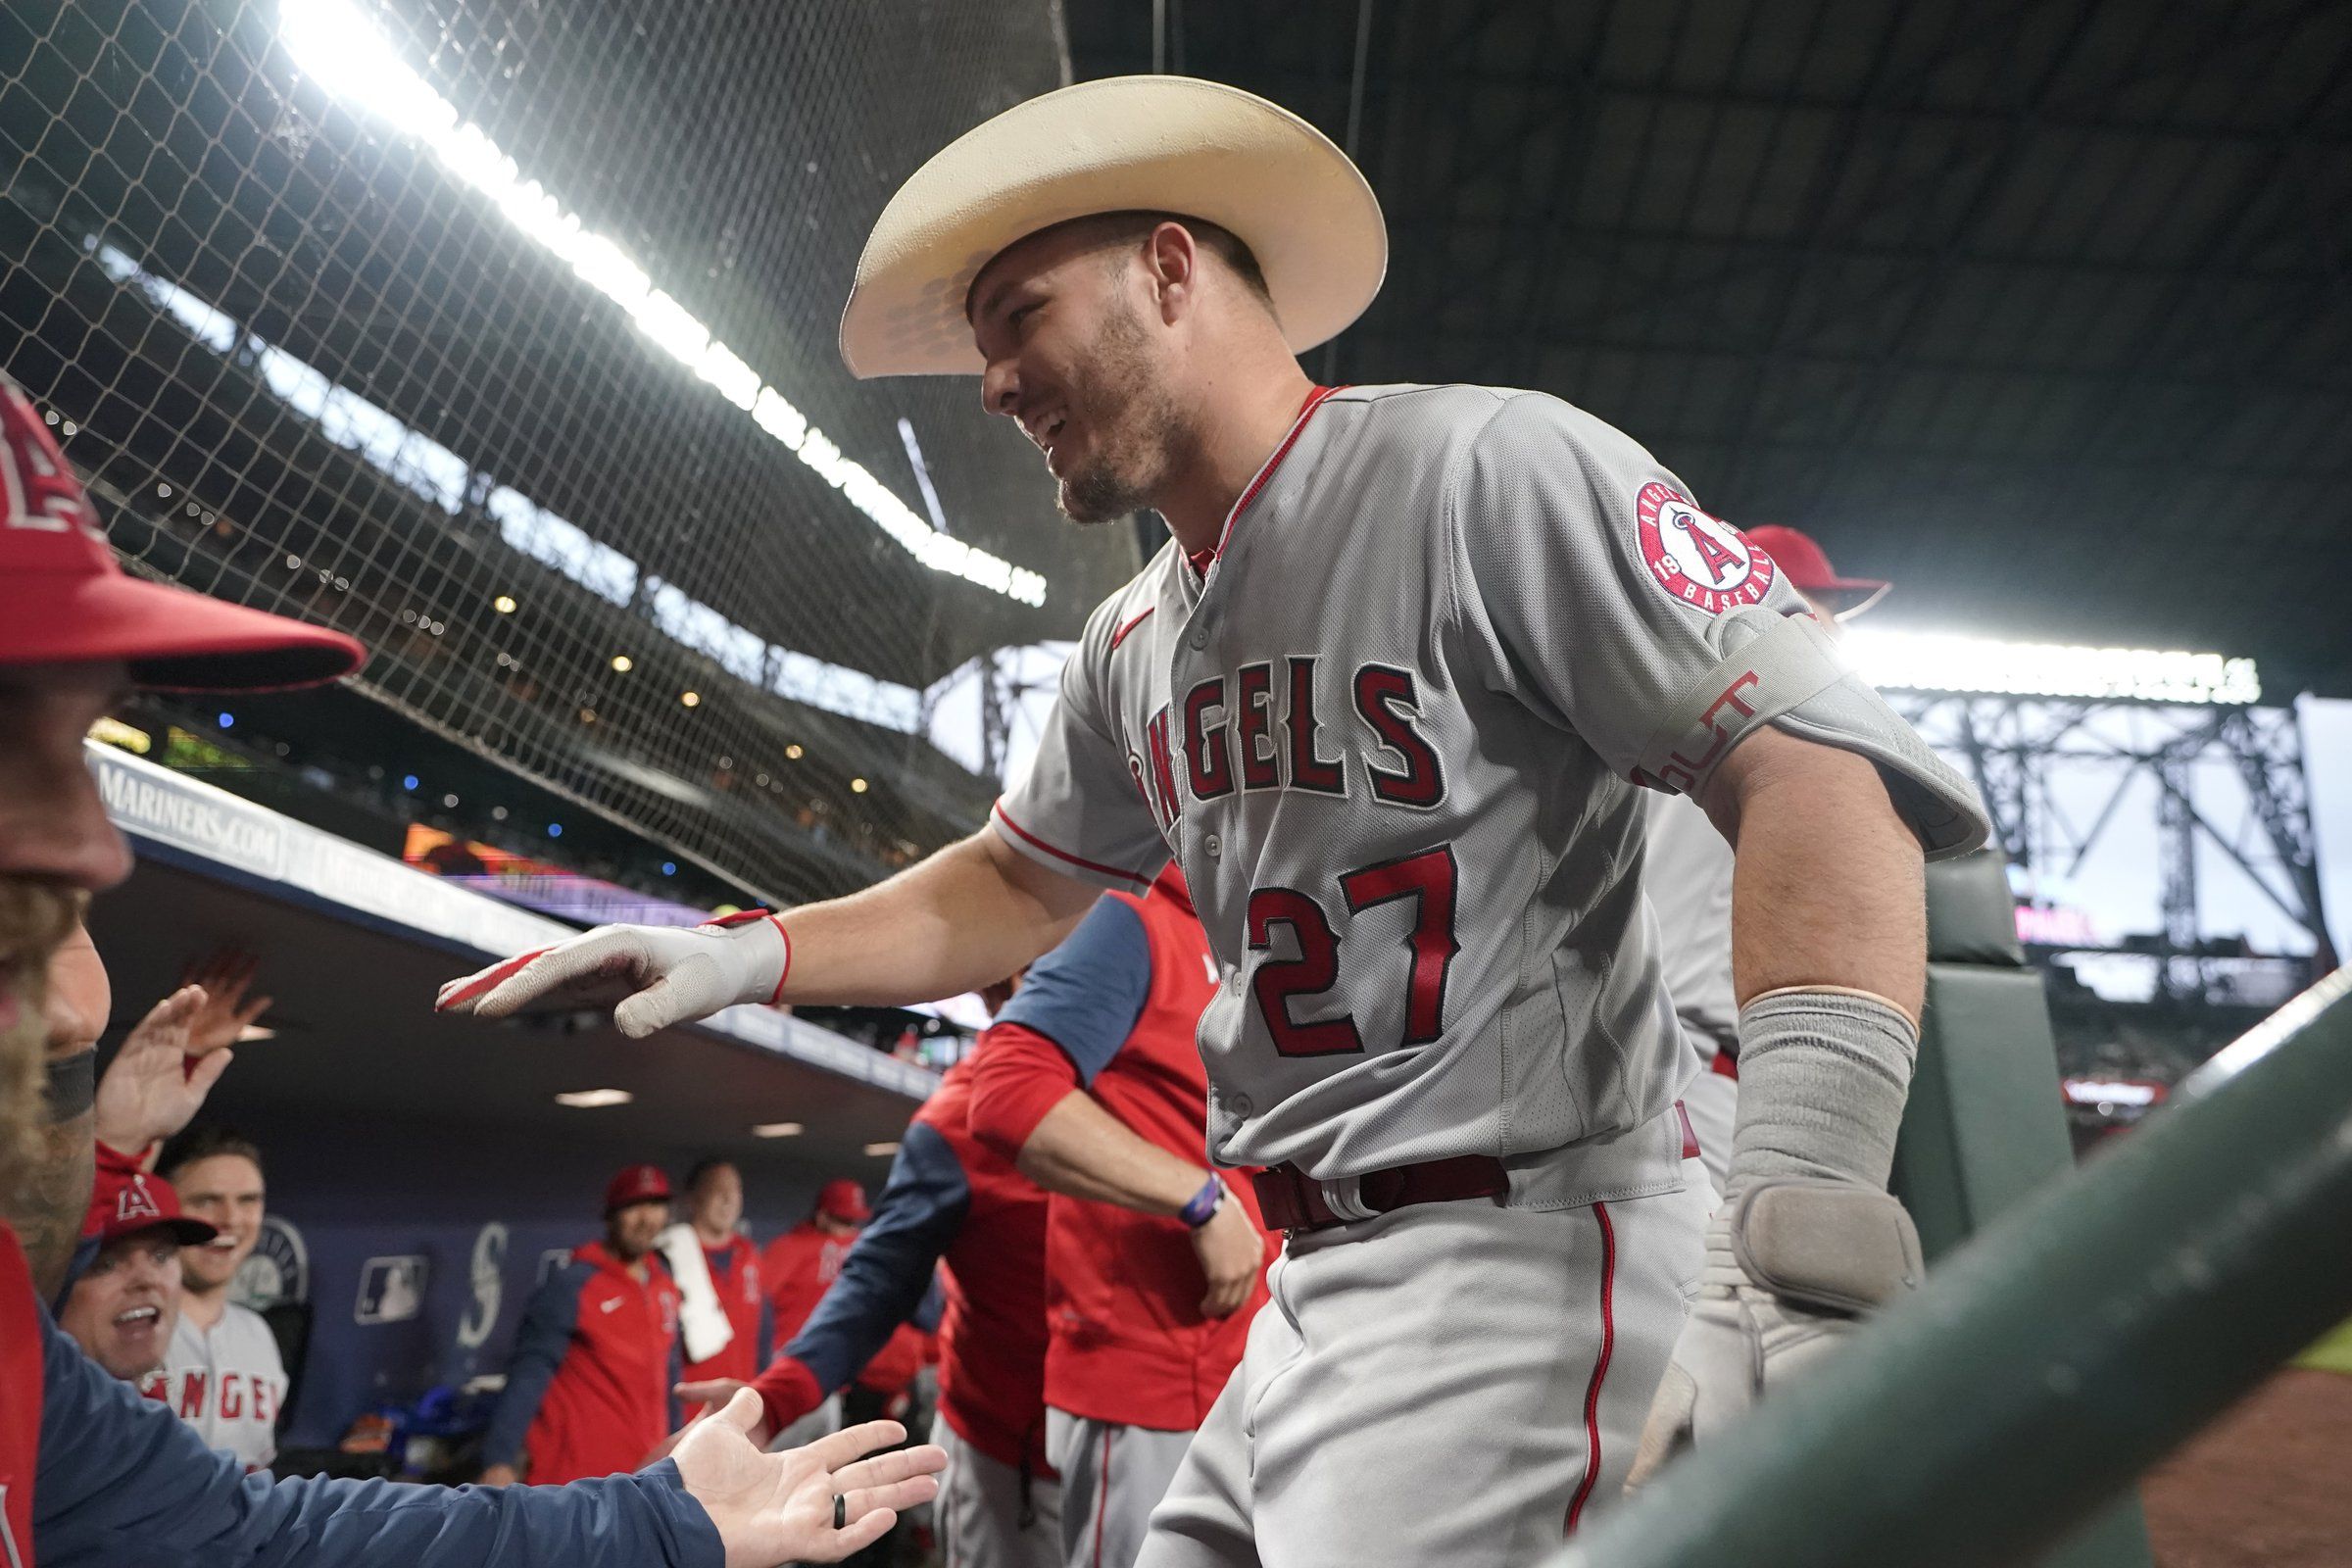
pixel 1168 144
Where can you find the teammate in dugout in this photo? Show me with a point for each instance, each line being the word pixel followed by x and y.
pixel 723 1312
pixel 1687 874
pixel 224 1376
pixel 949 1200
pixel 92 1475
pixel 588 1384
pixel 1153 1266
pixel 122 1307
pixel 1388 698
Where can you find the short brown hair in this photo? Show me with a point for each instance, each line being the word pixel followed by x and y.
pixel 1123 227
pixel 204 1143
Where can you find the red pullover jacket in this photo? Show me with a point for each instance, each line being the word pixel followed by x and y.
pixel 1113 1011
pixel 588 1387
pixel 948 1200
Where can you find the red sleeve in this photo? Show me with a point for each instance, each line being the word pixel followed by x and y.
pixel 1017 1076
pixel 788 1391
pixel 115 1169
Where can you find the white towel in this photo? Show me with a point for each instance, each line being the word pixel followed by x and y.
pixel 700 1316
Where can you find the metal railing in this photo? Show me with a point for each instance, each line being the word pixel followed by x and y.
pixel 2053 1359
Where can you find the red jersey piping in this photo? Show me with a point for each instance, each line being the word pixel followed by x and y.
pixel 1314 400
pixel 1034 842
pixel 1600 1366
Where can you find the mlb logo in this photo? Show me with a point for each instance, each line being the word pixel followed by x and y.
pixel 391 1290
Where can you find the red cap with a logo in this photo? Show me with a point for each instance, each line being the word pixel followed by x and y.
pixel 844 1199
pixel 64 598
pixel 636 1184
pixel 1808 568
pixel 136 1202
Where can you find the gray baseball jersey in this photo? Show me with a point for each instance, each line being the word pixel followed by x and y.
pixel 227 1382
pixel 1687 871
pixel 1390 730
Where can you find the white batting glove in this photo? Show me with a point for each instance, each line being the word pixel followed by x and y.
pixel 1792 1264
pixel 653 976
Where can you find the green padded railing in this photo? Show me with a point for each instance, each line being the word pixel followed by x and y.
pixel 2051 1360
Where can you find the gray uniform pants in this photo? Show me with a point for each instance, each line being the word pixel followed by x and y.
pixel 1112 1476
pixel 987 1516
pixel 1450 1383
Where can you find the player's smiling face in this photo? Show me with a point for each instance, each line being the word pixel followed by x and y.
pixel 1073 353
pixel 121 1309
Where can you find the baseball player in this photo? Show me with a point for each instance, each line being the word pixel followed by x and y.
pixel 122 1307
pixel 91 1472
pixel 723 1312
pixel 1153 1266
pixel 797 1268
pixel 224 1376
pixel 1688 877
pixel 1388 697
pixel 948 1200
pixel 588 1386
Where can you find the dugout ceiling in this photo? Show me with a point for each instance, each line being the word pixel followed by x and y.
pixel 2041 309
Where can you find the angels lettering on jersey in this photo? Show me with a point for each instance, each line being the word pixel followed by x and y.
pixel 199 1397
pixel 1264 727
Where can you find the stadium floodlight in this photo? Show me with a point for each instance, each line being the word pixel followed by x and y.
pixel 1935 663
pixel 336 45
pixel 594 1099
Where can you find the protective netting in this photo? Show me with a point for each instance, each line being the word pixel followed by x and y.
pixel 499 333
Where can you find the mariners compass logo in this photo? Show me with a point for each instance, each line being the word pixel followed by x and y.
pixel 1700 559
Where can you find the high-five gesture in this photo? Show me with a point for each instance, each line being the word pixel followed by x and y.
pixel 225 1014
pixel 657 975
pixel 158 1081
pixel 816 1503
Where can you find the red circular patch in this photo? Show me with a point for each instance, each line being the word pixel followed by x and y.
pixel 1701 561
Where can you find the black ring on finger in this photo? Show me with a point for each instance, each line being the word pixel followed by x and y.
pixel 841 1511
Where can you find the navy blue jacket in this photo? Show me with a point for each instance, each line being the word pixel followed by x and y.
pixel 123 1483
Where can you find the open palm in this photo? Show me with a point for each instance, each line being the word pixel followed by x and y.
pixel 771 1509
pixel 156 1084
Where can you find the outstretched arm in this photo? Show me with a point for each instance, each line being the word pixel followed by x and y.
pixel 967 917
pixel 120 1474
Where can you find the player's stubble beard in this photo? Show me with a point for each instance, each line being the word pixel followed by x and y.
pixel 36 917
pixel 1138 434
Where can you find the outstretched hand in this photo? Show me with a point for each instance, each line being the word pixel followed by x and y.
pixel 771 1509
pixel 651 976
pixel 225 1015
pixel 158 1081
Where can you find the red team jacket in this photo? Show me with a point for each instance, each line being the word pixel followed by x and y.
pixel 588 1389
pixel 21 1380
pixel 735 1275
pixel 798 1266
pixel 948 1200
pixel 1112 1011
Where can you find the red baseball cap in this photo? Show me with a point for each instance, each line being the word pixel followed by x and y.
pixel 1808 568
pixel 126 1205
pixel 636 1184
pixel 64 600
pixel 843 1199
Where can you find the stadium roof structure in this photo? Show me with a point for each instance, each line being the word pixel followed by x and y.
pixel 2042 309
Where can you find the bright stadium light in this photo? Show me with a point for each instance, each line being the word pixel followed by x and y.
pixel 1935 663
pixel 339 49
pixel 594 1099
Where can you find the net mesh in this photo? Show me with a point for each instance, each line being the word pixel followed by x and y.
pixel 499 333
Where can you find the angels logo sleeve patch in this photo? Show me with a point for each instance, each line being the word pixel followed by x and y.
pixel 1598 577
pixel 1701 561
